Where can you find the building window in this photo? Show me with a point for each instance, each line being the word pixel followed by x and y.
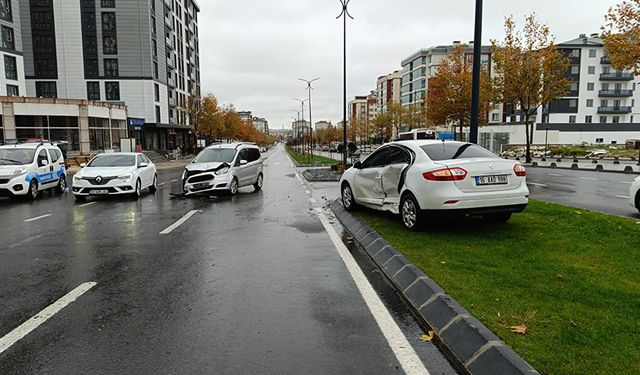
pixel 10 69
pixel 591 86
pixel 155 47
pixel 112 90
pixel 592 53
pixel 572 119
pixel 616 119
pixel 158 116
pixel 93 90
pixel 13 90
pixel 592 70
pixel 110 45
pixel 603 119
pixel 156 89
pixel 589 103
pixel 109 21
pixel 573 103
pixel 588 119
pixel 155 70
pixel 599 140
pixel 111 68
pixel 46 90
pixel 495 117
pixel 8 40
pixel 108 3
pixel 575 53
pixel 5 10
pixel 575 70
pixel 573 86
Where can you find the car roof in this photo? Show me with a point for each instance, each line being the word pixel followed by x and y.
pixel 233 145
pixel 119 154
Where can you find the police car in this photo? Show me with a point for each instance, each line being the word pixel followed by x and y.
pixel 26 169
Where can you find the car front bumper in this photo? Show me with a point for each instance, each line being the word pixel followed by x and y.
pixel 114 187
pixel 207 182
pixel 13 185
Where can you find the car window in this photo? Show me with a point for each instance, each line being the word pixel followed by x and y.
pixel 140 160
pixel 379 158
pixel 42 155
pixel 242 155
pixel 455 150
pixel 215 155
pixel 145 159
pixel 254 154
pixel 113 161
pixel 398 156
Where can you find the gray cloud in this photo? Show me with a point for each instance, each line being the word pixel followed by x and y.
pixel 253 52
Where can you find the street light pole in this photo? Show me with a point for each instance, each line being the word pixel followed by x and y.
pixel 309 82
pixel 296 129
pixel 303 120
pixel 344 14
pixel 475 90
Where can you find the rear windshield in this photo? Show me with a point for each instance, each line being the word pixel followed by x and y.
pixel 216 155
pixel 108 161
pixel 452 151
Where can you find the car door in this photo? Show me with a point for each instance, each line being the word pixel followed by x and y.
pixel 46 177
pixel 143 172
pixel 255 159
pixel 393 173
pixel 149 170
pixel 242 171
pixel 368 179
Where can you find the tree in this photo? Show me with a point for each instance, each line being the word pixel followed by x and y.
pixel 382 128
pixel 449 98
pixel 531 70
pixel 621 35
pixel 397 116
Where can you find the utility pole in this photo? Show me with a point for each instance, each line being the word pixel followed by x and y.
pixel 309 82
pixel 303 120
pixel 475 90
pixel 344 14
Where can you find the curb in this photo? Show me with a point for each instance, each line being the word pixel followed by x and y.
pixel 598 168
pixel 471 346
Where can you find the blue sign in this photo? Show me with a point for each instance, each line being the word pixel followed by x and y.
pixel 137 123
pixel 446 136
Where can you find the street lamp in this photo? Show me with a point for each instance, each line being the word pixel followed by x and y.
pixel 344 14
pixel 303 120
pixel 309 82
pixel 475 89
pixel 294 128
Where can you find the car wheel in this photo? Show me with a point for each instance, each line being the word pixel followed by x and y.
pixel 259 183
pixel 154 186
pixel 410 213
pixel 80 198
pixel 34 192
pixel 62 185
pixel 348 201
pixel 638 201
pixel 233 188
pixel 138 192
pixel 498 218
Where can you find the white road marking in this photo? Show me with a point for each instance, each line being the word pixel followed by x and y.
pixel 536 184
pixel 409 360
pixel 178 223
pixel 176 180
pixel 312 200
pixel 162 184
pixel 27 327
pixel 87 204
pixel 589 178
pixel 556 175
pixel 307 192
pixel 622 197
pixel 37 218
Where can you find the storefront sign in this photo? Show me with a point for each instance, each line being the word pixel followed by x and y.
pixel 137 123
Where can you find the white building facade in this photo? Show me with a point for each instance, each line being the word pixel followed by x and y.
pixel 12 81
pixel 388 90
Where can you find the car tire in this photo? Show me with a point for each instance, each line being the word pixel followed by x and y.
pixel 410 213
pixel 138 192
pixel 498 218
pixel 233 187
pixel 154 186
pixel 638 201
pixel 34 191
pixel 259 183
pixel 80 198
pixel 348 200
pixel 62 185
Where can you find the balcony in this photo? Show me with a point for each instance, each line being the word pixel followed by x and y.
pixel 614 110
pixel 605 60
pixel 616 77
pixel 616 93
pixel 168 4
pixel 170 43
pixel 170 63
pixel 171 82
pixel 168 22
pixel 172 102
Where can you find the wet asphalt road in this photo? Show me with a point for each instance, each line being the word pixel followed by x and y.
pixel 248 285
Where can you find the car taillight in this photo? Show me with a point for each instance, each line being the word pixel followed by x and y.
pixel 447 174
pixel 520 170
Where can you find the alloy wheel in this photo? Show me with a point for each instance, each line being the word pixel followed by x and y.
pixel 33 190
pixel 234 186
pixel 409 213
pixel 347 197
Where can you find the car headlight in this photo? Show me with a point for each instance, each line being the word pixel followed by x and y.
pixel 222 171
pixel 77 177
pixel 126 177
pixel 20 172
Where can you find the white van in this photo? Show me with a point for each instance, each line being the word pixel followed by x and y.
pixel 417 134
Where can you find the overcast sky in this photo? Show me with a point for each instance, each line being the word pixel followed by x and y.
pixel 253 51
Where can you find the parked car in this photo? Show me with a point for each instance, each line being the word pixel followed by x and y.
pixel 634 194
pixel 224 168
pixel 115 174
pixel 425 178
pixel 596 153
pixel 26 169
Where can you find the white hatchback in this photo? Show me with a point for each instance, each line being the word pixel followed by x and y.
pixel 427 178
pixel 115 174
pixel 634 194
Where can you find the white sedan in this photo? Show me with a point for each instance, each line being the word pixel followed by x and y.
pixel 115 174
pixel 634 194
pixel 426 178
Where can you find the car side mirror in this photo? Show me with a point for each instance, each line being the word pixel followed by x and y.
pixel 43 163
pixel 83 165
pixel 143 165
pixel 358 165
pixel 243 162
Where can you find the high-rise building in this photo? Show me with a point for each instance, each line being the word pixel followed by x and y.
pixel 261 124
pixel 320 125
pixel 12 82
pixel 363 110
pixel 388 90
pixel 144 53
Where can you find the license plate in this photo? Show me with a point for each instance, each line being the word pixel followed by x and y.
pixel 492 180
pixel 201 186
pixel 99 192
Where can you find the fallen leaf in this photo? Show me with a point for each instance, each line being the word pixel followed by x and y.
pixel 573 323
pixel 521 329
pixel 578 213
pixel 560 277
pixel 428 337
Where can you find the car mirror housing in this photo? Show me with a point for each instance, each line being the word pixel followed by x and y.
pixel 83 165
pixel 143 165
pixel 43 163
pixel 243 162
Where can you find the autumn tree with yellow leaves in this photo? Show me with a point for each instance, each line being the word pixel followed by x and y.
pixel 621 35
pixel 531 71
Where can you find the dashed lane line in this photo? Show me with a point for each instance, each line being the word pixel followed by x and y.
pixel 589 178
pixel 556 175
pixel 87 204
pixel 30 325
pixel 622 197
pixel 37 218
pixel 404 352
pixel 313 201
pixel 178 223
pixel 536 184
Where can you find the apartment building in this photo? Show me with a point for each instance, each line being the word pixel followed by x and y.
pixel 320 125
pixel 300 129
pixel 388 89
pixel 142 53
pixel 12 81
pixel 363 110
pixel 261 124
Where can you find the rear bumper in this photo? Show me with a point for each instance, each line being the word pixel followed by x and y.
pixel 514 209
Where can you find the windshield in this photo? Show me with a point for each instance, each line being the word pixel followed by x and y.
pixel 216 155
pixel 455 150
pixel 113 161
pixel 16 156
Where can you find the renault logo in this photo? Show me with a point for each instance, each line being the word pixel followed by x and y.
pixel 99 179
pixel 490 166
